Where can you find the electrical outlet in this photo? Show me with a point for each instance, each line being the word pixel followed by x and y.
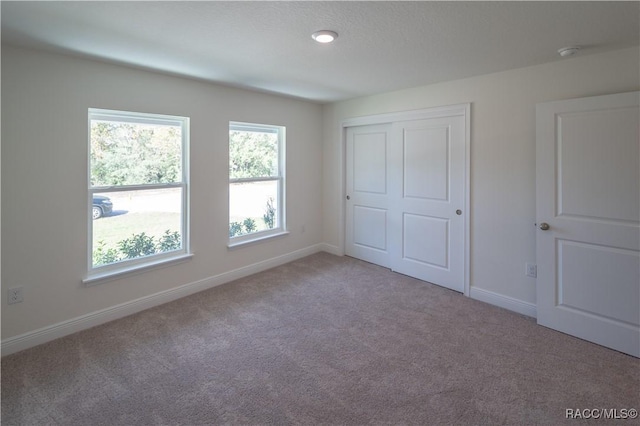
pixel 531 270
pixel 14 295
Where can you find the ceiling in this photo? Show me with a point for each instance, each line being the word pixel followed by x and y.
pixel 382 46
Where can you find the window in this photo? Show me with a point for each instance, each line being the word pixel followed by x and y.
pixel 256 181
pixel 138 174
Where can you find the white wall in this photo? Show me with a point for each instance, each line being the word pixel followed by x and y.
pixel 502 156
pixel 44 152
pixel 45 98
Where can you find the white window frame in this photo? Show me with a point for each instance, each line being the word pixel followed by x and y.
pixel 102 273
pixel 280 227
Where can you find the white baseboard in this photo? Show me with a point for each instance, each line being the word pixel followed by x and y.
pixel 64 328
pixel 515 305
pixel 331 249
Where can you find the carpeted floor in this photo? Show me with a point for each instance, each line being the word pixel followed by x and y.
pixel 323 340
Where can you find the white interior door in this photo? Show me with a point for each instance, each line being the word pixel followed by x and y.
pixel 588 212
pixel 428 199
pixel 367 207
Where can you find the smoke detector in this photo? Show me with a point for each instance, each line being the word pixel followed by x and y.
pixel 568 51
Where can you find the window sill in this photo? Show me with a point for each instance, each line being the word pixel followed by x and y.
pixel 100 277
pixel 257 239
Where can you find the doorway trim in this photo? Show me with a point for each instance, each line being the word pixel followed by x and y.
pixel 427 113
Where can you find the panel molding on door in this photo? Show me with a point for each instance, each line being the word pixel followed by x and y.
pixel 588 212
pixel 367 210
pixel 430 229
pixel 419 202
pixel 427 188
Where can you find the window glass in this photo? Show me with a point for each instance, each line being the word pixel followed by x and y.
pixel 253 207
pixel 137 187
pixel 126 153
pixel 256 180
pixel 253 154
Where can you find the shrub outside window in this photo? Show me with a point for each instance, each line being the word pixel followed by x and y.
pixel 138 194
pixel 256 181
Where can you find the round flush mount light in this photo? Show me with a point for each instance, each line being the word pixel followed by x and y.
pixel 568 51
pixel 324 36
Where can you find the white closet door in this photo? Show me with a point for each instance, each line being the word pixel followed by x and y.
pixel 428 198
pixel 367 207
pixel 406 188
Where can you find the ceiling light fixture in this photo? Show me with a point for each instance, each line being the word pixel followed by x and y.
pixel 568 51
pixel 324 36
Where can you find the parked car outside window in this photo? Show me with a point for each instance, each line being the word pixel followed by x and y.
pixel 102 206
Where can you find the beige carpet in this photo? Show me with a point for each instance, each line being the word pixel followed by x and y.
pixel 323 340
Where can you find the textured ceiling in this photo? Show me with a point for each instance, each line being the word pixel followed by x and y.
pixel 263 45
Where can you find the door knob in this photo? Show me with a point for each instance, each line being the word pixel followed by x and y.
pixel 544 226
pixel 348 198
